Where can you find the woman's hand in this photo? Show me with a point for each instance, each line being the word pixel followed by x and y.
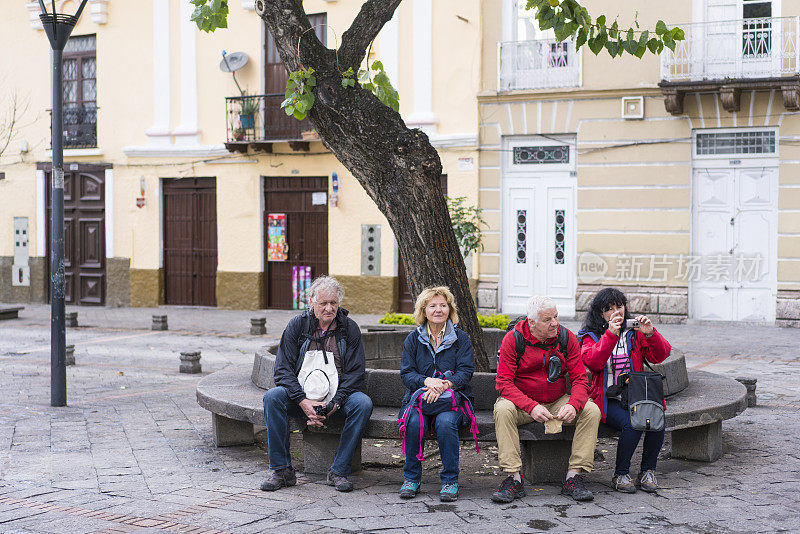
pixel 645 326
pixel 615 322
pixel 431 396
pixel 436 385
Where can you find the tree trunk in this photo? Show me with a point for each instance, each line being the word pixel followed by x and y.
pixel 397 166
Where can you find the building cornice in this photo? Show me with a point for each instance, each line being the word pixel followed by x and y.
pixel 492 97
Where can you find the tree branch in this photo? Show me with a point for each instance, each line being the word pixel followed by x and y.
pixel 366 26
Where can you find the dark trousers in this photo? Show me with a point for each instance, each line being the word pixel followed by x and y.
pixel 278 408
pixel 619 418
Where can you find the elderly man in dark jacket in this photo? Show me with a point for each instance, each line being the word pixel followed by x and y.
pixel 319 374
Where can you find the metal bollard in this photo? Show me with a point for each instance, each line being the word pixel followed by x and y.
pixel 258 326
pixel 70 355
pixel 159 322
pixel 190 362
pixel 750 384
pixel 71 319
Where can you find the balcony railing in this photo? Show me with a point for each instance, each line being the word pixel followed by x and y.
pixel 259 118
pixel 80 126
pixel 540 64
pixel 734 50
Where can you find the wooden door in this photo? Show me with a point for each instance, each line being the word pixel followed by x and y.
pixel 306 219
pixel 405 304
pixel 84 236
pixel 190 241
pixel 277 125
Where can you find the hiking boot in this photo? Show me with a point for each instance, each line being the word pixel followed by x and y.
pixel 339 482
pixel 509 490
pixel 449 492
pixel 575 487
pixel 409 489
pixel 623 483
pixel 647 481
pixel 279 478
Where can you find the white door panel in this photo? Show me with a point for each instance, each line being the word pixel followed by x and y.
pixel 734 223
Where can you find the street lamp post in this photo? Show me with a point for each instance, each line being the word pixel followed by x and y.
pixel 58 28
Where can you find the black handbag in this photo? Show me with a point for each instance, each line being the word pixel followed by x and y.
pixel 642 393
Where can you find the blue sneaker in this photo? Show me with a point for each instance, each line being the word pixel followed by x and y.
pixel 409 489
pixel 449 492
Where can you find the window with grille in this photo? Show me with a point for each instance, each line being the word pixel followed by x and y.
pixel 80 92
pixel 756 29
pixel 736 143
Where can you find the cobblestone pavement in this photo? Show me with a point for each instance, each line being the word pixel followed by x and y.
pixel 133 451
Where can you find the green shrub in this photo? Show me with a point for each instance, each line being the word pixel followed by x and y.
pixel 486 321
pixel 397 318
pixel 493 321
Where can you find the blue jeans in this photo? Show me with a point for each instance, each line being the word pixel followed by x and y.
pixel 619 418
pixel 277 410
pixel 446 424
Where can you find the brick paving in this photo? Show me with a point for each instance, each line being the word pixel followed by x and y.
pixel 132 452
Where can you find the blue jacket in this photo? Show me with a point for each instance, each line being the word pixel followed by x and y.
pixel 419 360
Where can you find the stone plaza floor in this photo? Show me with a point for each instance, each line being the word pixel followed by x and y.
pixel 132 451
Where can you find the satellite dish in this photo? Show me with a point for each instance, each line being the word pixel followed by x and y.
pixel 233 61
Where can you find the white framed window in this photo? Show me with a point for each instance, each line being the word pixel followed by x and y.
pixel 735 143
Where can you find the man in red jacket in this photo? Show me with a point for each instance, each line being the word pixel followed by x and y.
pixel 528 394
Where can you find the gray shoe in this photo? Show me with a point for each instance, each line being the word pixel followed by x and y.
pixel 278 479
pixel 647 481
pixel 623 483
pixel 339 482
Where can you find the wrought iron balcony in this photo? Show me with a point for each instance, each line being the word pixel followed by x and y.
pixel 80 125
pixel 734 49
pixel 259 119
pixel 730 56
pixel 540 64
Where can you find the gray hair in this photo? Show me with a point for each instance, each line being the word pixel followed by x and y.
pixel 538 303
pixel 325 284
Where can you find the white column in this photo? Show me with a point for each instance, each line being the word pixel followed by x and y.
pixel 41 215
pixel 159 134
pixel 188 132
pixel 109 192
pixel 422 53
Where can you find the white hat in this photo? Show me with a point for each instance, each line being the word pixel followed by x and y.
pixel 317 386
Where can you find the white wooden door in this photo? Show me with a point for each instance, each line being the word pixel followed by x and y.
pixel 734 239
pixel 519 248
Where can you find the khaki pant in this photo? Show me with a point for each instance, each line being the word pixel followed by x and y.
pixel 507 417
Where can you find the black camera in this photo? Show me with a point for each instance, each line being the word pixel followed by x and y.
pixel 323 410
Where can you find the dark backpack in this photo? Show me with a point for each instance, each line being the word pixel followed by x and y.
pixel 521 342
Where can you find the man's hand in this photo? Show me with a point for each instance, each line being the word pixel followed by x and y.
pixel 567 413
pixel 541 414
pixel 333 410
pixel 308 408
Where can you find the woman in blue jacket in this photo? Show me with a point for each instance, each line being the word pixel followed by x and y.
pixel 436 368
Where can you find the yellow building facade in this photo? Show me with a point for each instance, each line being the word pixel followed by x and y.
pixel 174 194
pixel 673 177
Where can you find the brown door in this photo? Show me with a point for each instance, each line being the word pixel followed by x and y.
pixel 190 241
pixel 276 123
pixel 405 304
pixel 84 236
pixel 306 231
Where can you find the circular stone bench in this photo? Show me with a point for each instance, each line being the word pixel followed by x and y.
pixel 697 403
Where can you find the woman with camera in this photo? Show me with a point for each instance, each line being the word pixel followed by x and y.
pixel 436 367
pixel 613 344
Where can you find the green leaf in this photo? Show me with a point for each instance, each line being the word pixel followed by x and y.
pixel 377 65
pixel 640 51
pixel 287 101
pixel 601 20
pixel 580 40
pixel 595 45
pixel 289 110
pixel 661 28
pixel 612 47
pixel 669 43
pixel 545 24
pixel 678 35
pixel 312 81
pixel 299 115
pixel 643 38
pixel 652 45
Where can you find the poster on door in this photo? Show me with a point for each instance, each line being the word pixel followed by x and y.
pixel 277 247
pixel 301 282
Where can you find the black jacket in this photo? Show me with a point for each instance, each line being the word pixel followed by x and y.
pixel 351 378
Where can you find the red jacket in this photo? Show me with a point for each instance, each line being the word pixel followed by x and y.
pixel 527 386
pixel 595 355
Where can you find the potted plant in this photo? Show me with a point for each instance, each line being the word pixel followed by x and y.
pixel 309 135
pixel 238 134
pixel 248 107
